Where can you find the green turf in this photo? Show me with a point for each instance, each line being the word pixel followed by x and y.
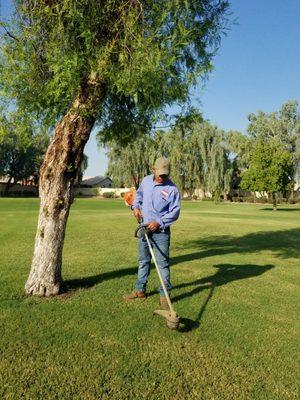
pixel 235 270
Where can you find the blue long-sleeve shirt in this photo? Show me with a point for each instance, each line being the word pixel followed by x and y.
pixel 158 202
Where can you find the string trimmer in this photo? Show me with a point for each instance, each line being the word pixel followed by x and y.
pixel 171 316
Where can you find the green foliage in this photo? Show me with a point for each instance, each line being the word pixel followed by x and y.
pixel 108 195
pixel 128 165
pixel 22 146
pixel 194 147
pixel 239 145
pixel 197 156
pixel 270 168
pixel 143 54
pixel 180 147
pixel 282 126
pixel 216 166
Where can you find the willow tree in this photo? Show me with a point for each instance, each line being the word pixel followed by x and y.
pixel 239 145
pixel 129 164
pixel 198 155
pixel 216 166
pixel 179 146
pixel 74 63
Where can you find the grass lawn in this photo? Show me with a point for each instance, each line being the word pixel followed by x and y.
pixel 235 271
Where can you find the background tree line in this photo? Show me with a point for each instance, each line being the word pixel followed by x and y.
pixel 266 159
pixel 202 156
pixel 194 147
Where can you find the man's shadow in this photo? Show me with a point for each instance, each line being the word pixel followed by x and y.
pixel 284 244
pixel 225 273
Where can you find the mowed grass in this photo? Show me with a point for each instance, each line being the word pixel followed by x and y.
pixel 235 271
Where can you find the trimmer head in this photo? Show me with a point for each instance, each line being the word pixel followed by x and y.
pixel 172 319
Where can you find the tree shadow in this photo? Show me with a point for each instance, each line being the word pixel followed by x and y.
pixel 280 209
pixel 225 273
pixel 284 244
pixel 90 281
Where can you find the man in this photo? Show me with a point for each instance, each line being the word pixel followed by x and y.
pixel 157 203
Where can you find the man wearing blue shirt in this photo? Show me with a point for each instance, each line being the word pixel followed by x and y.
pixel 157 202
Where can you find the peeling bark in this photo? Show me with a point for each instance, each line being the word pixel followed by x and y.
pixel 59 169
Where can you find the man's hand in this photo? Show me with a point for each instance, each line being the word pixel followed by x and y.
pixel 153 226
pixel 138 214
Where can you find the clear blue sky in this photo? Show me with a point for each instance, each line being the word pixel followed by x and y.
pixel 257 68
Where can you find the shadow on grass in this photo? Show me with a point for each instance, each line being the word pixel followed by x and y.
pixel 225 273
pixel 281 209
pixel 90 281
pixel 284 244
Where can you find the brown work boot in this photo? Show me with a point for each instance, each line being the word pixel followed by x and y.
pixel 163 303
pixel 136 294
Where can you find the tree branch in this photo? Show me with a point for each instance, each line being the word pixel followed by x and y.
pixel 9 34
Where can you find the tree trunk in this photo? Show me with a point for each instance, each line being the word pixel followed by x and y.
pixel 182 185
pixel 7 186
pixel 274 201
pixel 59 169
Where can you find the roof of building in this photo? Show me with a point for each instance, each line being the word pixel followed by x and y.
pixel 95 180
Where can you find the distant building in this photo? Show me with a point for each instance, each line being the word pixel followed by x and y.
pixel 96 182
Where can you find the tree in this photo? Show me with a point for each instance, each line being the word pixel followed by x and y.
pixel 270 169
pixel 22 147
pixel 239 146
pixel 128 165
pixel 195 148
pixel 216 169
pixel 179 147
pixel 117 63
pixel 283 126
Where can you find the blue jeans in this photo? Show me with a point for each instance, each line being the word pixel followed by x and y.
pixel 160 242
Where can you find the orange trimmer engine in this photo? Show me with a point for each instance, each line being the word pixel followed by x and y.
pixel 129 197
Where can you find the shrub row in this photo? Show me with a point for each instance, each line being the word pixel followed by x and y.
pixel 19 193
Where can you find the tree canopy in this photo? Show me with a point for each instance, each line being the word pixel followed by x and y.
pixel 282 126
pixel 270 169
pixel 143 54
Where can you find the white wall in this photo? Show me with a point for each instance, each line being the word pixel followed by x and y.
pixel 99 191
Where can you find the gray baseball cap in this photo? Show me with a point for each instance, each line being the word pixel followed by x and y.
pixel 162 166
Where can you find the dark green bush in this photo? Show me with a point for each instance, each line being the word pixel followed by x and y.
pixel 29 193
pixel 261 200
pixel 108 195
pixel 249 199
